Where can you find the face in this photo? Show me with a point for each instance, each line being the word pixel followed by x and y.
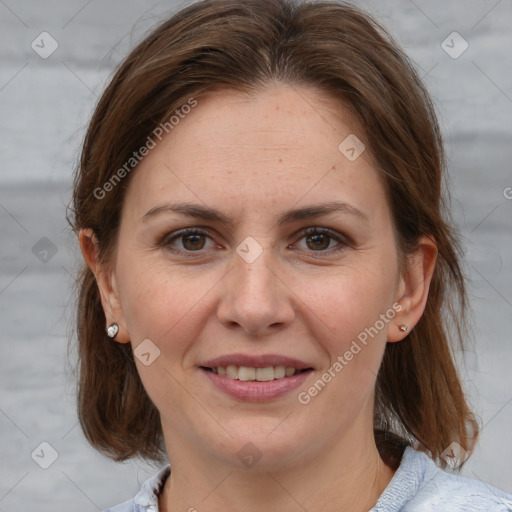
pixel 248 240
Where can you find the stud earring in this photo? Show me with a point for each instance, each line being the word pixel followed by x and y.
pixel 404 328
pixel 112 330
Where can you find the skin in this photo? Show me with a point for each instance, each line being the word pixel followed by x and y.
pixel 254 158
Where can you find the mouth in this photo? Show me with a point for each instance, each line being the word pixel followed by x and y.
pixel 256 378
pixel 248 373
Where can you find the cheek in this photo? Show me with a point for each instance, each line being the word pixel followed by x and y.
pixel 349 300
pixel 166 306
pixel 359 315
pixel 162 303
pixel 354 309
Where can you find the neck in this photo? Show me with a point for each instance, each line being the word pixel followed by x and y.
pixel 349 476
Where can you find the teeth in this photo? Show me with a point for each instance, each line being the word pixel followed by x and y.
pixel 263 374
pixel 289 371
pixel 232 372
pixel 280 372
pixel 246 373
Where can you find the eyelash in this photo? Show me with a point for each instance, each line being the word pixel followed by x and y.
pixel 168 239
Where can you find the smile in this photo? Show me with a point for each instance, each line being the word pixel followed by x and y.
pixel 247 373
pixel 255 378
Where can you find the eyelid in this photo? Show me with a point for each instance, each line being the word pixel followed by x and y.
pixel 184 231
pixel 165 241
pixel 342 240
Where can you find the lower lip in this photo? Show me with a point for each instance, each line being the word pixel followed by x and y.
pixel 255 391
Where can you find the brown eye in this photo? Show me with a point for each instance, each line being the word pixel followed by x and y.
pixel 194 242
pixel 322 241
pixel 187 241
pixel 318 241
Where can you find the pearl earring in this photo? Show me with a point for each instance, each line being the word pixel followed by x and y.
pixel 112 330
pixel 404 328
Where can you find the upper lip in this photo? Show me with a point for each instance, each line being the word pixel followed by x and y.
pixel 260 361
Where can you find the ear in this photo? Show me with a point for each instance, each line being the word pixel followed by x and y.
pixel 412 290
pixel 107 285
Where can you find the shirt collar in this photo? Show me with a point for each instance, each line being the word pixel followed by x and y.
pixel 146 499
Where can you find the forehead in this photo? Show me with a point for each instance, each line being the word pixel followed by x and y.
pixel 274 148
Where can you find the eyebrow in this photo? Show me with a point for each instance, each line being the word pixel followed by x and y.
pixel 210 214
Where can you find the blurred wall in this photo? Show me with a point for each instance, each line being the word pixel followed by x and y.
pixel 56 59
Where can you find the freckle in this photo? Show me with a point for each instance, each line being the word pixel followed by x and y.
pixel 280 160
pixel 277 107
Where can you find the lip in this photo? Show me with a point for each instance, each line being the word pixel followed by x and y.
pixel 255 391
pixel 260 361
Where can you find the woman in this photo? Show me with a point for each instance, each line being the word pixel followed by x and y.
pixel 270 280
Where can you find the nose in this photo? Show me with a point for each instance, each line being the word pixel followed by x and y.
pixel 255 298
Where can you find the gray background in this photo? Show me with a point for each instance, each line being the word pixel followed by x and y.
pixel 45 104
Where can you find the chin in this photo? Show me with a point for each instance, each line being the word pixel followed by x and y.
pixel 263 446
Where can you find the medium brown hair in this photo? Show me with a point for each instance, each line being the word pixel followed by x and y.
pixel 244 46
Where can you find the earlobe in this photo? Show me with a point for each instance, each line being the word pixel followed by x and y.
pixel 106 286
pixel 412 292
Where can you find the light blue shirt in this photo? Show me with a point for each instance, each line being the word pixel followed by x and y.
pixel 417 486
